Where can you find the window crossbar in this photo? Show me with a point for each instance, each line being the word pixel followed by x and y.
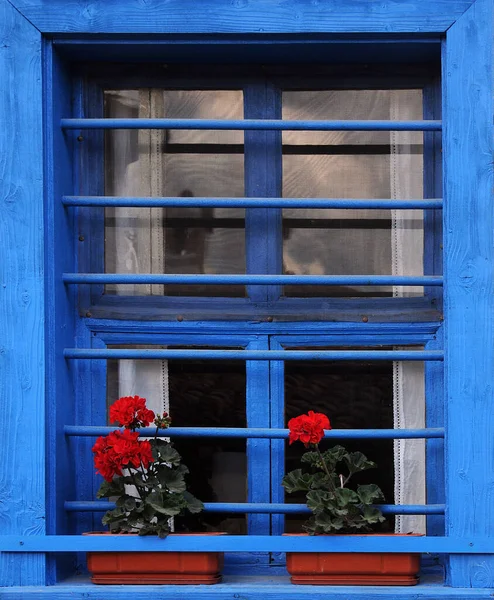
pixel 258 432
pixel 252 124
pixel 187 202
pixel 167 354
pixel 265 508
pixel 175 279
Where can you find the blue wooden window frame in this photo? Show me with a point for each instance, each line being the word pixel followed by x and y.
pixel 40 29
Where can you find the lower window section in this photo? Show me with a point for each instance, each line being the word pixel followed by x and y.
pixel 354 395
pixel 196 393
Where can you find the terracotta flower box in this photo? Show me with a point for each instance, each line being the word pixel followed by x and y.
pixel 177 568
pixel 356 568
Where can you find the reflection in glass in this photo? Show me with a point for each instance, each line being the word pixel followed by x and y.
pixel 174 163
pixel 352 164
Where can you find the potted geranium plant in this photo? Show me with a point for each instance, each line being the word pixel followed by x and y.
pixel 339 507
pixel 146 479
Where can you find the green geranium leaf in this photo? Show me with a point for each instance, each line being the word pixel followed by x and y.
pixel 318 501
pixel 369 493
pixel 296 481
pixel 193 504
pixel 172 479
pixel 166 452
pixel 356 462
pixel 372 515
pixel 345 496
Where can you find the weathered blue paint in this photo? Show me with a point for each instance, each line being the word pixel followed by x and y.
pixel 260 433
pixel 257 409
pixel 265 508
pixel 263 177
pixel 251 125
pixel 265 586
pixel 225 17
pixel 250 202
pixel 246 543
pixel 468 108
pixel 468 269
pixel 22 305
pixel 321 311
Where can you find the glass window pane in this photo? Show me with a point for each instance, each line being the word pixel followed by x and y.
pixel 196 393
pixel 172 163
pixel 363 395
pixel 352 164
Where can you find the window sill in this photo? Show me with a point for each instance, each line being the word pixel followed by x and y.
pixel 244 588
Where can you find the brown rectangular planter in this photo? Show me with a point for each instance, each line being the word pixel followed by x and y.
pixel 178 568
pixel 353 568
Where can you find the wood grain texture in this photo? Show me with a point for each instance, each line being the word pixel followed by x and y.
pixel 258 477
pixel 22 360
pixel 243 588
pixel 469 292
pixel 241 16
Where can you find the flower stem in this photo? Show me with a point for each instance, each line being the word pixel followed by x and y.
pixel 325 468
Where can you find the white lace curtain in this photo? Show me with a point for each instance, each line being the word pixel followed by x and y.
pixel 136 240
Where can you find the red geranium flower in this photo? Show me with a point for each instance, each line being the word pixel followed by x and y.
pixel 131 412
pixel 309 429
pixel 120 450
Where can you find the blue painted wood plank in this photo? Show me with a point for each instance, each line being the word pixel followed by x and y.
pixel 264 508
pixel 263 178
pixel 223 16
pixel 261 587
pixel 245 543
pixel 251 202
pixel 262 433
pixel 278 469
pixel 321 311
pixel 92 353
pixel 22 332
pixel 317 332
pixel 250 124
pixel 468 109
pixel 257 407
pixel 61 315
pixel 434 417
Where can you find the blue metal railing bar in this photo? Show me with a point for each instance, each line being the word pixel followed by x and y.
pixel 265 508
pixel 332 280
pixel 260 433
pixel 251 124
pixel 339 355
pixel 338 203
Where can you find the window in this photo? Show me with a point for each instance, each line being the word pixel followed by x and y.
pixel 170 228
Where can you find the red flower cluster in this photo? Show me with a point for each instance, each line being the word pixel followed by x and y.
pixel 131 412
pixel 120 450
pixel 309 429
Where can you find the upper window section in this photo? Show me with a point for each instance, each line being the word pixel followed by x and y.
pixel 176 163
pixel 194 235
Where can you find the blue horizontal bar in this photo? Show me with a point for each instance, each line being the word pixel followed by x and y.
pixel 340 355
pixel 341 203
pixel 245 543
pixel 251 124
pixel 260 433
pixel 163 279
pixel 264 508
